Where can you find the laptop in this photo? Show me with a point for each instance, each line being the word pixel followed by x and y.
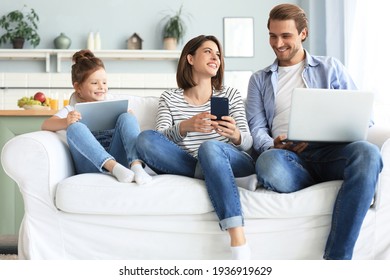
pixel 329 115
pixel 101 115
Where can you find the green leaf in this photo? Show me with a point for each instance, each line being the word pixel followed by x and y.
pixel 20 24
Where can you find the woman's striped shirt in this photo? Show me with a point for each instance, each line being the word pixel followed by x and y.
pixel 173 108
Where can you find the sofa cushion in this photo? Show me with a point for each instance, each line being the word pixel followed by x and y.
pixel 145 109
pixel 94 193
pixel 179 195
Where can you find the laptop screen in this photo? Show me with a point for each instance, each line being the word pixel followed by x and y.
pixel 329 115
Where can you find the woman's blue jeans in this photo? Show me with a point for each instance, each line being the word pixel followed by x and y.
pixel 358 164
pixel 91 150
pixel 219 163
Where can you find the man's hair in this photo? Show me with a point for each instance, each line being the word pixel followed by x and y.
pixel 184 77
pixel 287 12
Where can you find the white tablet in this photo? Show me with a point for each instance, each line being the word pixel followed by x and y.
pixel 101 115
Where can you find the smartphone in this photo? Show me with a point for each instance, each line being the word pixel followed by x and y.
pixel 219 107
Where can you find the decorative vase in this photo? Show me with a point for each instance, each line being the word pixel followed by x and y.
pixel 97 42
pixel 170 43
pixel 18 43
pixel 62 42
pixel 91 42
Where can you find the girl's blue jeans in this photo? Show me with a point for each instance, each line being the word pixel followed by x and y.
pixel 91 150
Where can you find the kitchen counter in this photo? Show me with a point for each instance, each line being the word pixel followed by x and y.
pixel 12 123
pixel 23 112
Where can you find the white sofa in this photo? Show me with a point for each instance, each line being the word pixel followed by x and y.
pixel 93 216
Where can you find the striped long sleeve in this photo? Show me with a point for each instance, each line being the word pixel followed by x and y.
pixel 173 109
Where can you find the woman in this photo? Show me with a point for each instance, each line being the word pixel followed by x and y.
pixel 190 141
pixel 108 151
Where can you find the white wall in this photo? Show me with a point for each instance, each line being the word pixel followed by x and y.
pixel 117 20
pixel 14 86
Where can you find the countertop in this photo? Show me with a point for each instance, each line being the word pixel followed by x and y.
pixel 23 112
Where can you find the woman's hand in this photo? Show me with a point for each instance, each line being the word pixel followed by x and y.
pixel 227 127
pixel 72 117
pixel 198 123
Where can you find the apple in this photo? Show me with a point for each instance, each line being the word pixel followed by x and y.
pixel 40 96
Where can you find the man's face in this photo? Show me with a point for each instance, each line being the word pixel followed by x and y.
pixel 286 42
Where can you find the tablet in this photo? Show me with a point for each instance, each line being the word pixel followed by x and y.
pixel 101 115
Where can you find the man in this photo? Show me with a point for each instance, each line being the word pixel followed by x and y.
pixel 289 167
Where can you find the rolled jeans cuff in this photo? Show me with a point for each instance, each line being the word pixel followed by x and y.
pixel 232 222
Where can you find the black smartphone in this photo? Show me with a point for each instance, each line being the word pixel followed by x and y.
pixel 219 107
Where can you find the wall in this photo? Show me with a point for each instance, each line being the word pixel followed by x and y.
pixel 117 20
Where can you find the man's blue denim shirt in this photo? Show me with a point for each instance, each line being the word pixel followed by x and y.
pixel 319 72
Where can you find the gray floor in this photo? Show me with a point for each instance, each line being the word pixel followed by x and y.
pixel 8 244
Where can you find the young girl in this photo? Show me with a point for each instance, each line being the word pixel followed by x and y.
pixel 190 141
pixel 107 151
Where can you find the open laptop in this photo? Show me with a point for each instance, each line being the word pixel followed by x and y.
pixel 101 115
pixel 329 115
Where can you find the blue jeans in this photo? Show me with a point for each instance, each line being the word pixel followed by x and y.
pixel 358 164
pixel 91 150
pixel 219 162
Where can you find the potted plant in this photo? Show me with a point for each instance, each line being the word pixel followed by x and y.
pixel 19 27
pixel 174 29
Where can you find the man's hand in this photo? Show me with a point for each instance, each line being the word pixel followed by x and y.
pixel 296 147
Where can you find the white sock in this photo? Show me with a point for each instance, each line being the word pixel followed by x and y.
pixel 249 182
pixel 141 177
pixel 242 252
pixel 123 174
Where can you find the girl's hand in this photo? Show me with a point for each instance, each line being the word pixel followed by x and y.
pixel 72 117
pixel 198 123
pixel 227 127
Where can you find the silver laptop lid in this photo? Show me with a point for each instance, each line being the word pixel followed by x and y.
pixel 329 115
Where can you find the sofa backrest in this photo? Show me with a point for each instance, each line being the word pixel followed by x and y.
pixel 145 109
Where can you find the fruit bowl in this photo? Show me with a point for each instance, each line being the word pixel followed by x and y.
pixel 36 107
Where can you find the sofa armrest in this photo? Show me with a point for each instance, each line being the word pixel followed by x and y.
pixel 380 136
pixel 37 162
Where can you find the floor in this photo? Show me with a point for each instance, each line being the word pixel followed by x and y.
pixel 8 244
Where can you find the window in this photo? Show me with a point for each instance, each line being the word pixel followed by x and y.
pixel 367 57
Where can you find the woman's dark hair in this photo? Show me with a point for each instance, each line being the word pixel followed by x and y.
pixel 290 11
pixel 184 77
pixel 84 64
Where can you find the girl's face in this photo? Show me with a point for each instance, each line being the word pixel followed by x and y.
pixel 94 88
pixel 206 60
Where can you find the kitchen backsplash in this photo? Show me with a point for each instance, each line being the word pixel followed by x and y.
pixel 13 86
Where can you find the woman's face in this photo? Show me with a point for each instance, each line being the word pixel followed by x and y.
pixel 94 88
pixel 206 60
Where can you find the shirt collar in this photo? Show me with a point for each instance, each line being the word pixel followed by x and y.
pixel 309 61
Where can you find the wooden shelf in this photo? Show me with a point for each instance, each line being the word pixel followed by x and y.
pixel 61 55
pixel 121 55
pixel 14 54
